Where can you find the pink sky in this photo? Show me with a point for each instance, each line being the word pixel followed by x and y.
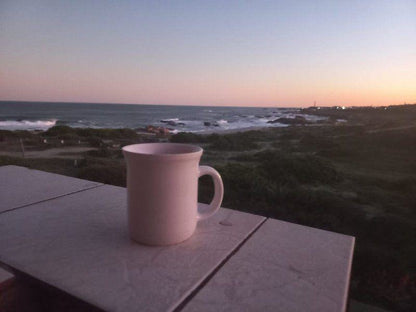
pixel 216 53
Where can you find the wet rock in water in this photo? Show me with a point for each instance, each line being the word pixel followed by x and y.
pixel 141 129
pixel 207 123
pixel 278 120
pixel 220 122
pixel 151 129
pixel 172 122
pixel 158 130
pixel 298 120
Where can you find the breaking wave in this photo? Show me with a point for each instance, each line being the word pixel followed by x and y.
pixel 27 124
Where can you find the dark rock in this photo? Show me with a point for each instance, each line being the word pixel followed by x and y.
pixel 207 123
pixel 172 122
pixel 298 120
pixel 158 130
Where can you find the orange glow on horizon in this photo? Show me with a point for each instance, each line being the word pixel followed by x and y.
pixel 206 91
pixel 210 53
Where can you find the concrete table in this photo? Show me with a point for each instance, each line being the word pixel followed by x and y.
pixel 282 267
pixel 4 276
pixel 78 243
pixel 20 186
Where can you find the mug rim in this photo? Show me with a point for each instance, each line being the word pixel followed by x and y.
pixel 165 150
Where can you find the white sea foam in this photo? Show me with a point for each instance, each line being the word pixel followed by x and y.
pixel 207 119
pixel 191 123
pixel 169 119
pixel 222 122
pixel 27 124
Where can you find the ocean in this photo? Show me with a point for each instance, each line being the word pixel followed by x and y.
pixel 43 115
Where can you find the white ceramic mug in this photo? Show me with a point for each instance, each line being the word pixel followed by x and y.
pixel 162 191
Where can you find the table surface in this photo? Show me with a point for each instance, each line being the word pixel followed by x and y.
pixel 72 234
pixel 20 186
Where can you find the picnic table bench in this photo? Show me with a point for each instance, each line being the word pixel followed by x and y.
pixel 71 234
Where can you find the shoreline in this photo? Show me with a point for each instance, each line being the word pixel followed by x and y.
pixel 206 119
pixel 143 131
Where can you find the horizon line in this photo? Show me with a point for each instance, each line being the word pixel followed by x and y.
pixel 194 105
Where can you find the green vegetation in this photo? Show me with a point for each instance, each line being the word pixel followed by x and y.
pixel 61 131
pixel 357 178
pixel 230 142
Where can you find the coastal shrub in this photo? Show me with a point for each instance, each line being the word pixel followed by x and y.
pixel 19 134
pixel 69 138
pixel 251 188
pixel 5 135
pixel 101 152
pixel 321 208
pixel 381 274
pixel 244 157
pixel 392 140
pixel 336 151
pixel 94 141
pixel 290 134
pixel 231 142
pixel 187 137
pixel 59 131
pixel 247 189
pixel 226 141
pixel 105 172
pixel 205 189
pixel 55 165
pixel 316 142
pixel 292 168
pixel 405 185
pixel 122 133
pixel 255 135
pixel 144 139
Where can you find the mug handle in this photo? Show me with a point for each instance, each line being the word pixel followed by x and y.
pixel 218 191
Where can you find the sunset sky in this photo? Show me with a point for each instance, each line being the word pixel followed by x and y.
pixel 245 53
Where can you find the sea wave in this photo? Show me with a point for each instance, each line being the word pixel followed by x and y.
pixel 169 120
pixel 27 124
pixel 222 122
